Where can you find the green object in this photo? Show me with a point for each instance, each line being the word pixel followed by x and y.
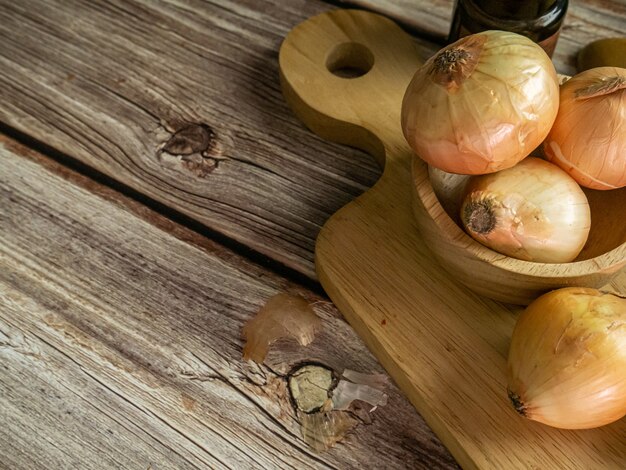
pixel 610 52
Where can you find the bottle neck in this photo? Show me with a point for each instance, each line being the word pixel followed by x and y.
pixel 516 10
pixel 518 17
pixel 538 20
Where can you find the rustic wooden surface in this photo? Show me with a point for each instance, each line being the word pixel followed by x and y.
pixel 102 86
pixel 586 21
pixel 120 348
pixel 214 64
pixel 102 81
pixel 209 63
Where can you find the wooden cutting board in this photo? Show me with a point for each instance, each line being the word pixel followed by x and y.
pixel 445 346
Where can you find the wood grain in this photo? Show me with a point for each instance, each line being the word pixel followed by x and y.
pixel 586 21
pixel 444 345
pixel 109 82
pixel 119 343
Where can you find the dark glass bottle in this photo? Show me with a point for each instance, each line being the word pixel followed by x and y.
pixel 539 20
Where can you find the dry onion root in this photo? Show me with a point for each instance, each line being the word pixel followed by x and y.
pixel 567 360
pixel 588 139
pixel 481 104
pixel 533 211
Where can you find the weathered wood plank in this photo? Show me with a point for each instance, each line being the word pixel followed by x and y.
pixel 119 337
pixel 586 21
pixel 103 81
pixel 54 415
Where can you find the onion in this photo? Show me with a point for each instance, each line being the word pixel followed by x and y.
pixel 481 104
pixel 567 361
pixel 588 139
pixel 533 211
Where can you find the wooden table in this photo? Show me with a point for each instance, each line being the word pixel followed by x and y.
pixel 155 192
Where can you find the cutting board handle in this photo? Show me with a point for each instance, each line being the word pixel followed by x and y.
pixel 344 74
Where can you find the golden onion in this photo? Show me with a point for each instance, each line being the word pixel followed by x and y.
pixel 533 211
pixel 567 360
pixel 588 139
pixel 481 104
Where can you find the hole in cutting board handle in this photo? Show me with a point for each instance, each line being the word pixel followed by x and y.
pixel 350 60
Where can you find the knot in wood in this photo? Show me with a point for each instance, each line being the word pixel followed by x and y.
pixel 195 147
pixel 310 386
pixel 194 138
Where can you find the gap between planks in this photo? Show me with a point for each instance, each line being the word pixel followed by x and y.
pixel 201 233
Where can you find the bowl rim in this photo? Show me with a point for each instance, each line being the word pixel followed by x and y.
pixel 456 235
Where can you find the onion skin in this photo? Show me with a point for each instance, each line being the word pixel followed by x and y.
pixel 567 360
pixel 533 211
pixel 588 139
pixel 481 104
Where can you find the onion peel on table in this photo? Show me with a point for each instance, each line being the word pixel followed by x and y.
pixel 324 403
pixel 283 316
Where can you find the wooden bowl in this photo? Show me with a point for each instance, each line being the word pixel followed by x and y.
pixel 436 203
